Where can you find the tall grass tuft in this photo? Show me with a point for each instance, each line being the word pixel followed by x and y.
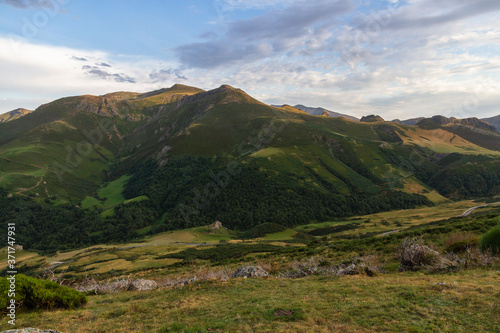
pixel 491 240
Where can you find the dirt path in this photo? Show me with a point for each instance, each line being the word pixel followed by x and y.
pixel 470 210
pixel 36 166
pixel 28 189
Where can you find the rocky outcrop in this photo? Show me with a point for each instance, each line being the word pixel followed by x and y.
pixel 215 226
pixel 324 112
pixel 143 285
pixel 250 271
pixel 478 124
pixel 371 119
pixel 30 330
pixel 444 121
pixel 98 105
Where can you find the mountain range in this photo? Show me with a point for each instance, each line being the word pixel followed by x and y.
pixel 183 156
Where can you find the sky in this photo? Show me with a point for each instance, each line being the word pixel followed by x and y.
pixel 398 59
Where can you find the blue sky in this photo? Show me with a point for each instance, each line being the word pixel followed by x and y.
pixel 399 59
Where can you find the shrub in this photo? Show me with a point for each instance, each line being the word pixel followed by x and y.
pixel 460 242
pixel 263 229
pixel 413 255
pixel 34 293
pixel 491 240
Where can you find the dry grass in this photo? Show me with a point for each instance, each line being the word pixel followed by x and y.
pixel 466 301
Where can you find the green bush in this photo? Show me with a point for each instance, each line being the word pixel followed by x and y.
pixel 32 293
pixel 263 229
pixel 491 240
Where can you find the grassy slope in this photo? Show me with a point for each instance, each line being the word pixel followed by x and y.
pixel 133 257
pixel 392 302
pixel 406 302
pixel 30 145
pixel 309 149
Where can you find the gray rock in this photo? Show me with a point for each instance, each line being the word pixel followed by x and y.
pixel 143 285
pixel 30 330
pixel 250 271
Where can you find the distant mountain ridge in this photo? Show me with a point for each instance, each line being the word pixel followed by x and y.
pixel 490 124
pixel 322 111
pixel 14 114
pixel 495 121
pixel 319 111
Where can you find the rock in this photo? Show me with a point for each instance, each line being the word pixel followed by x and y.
pixel 30 330
pixel 250 271
pixel 143 285
pixel 371 119
pixel 215 226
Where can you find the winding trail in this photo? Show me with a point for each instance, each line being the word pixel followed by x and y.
pixel 470 210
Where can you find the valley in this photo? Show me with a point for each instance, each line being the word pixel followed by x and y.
pixel 181 187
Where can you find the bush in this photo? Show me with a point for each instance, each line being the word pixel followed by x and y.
pixel 263 229
pixel 460 242
pixel 31 294
pixel 491 240
pixel 414 255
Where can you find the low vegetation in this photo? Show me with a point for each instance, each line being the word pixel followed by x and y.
pixel 36 294
pixel 491 240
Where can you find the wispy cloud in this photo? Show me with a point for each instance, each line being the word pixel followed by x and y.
pixel 167 74
pixel 103 74
pixel 28 4
pixel 268 35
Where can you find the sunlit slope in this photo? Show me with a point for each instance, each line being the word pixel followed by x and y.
pixel 66 148
pixel 69 148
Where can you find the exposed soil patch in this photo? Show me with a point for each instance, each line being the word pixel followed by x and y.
pixel 283 313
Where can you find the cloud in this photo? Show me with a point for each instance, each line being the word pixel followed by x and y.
pixel 274 33
pixel 109 76
pixel 28 4
pixel 33 74
pixel 407 59
pixel 166 74
pixel 428 14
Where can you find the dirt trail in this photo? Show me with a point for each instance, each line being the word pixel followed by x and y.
pixel 470 210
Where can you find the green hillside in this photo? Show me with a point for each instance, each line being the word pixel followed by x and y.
pixel 182 157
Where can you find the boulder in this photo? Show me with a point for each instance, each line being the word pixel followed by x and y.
pixel 30 330
pixel 250 271
pixel 143 285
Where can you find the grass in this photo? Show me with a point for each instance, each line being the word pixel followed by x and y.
pixel 403 302
pixel 105 258
pixel 113 191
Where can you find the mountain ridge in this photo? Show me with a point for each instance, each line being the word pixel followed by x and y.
pixel 173 141
pixel 14 114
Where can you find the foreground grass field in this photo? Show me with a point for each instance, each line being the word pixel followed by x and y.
pixel 468 301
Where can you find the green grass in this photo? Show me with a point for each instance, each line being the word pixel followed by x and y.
pixel 280 236
pixel 113 191
pixel 402 302
pixel 89 202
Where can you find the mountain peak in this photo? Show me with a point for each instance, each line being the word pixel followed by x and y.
pixel 14 114
pixel 371 119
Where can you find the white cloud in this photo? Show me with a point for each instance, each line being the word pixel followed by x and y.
pixel 41 73
pixel 449 68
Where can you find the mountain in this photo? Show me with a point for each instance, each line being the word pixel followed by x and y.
pixel 495 121
pixel 410 122
pixel 371 119
pixel 14 114
pixel 321 111
pixel 182 157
